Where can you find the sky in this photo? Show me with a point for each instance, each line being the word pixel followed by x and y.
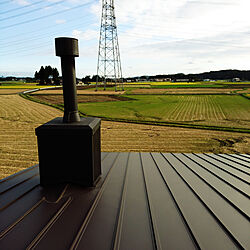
pixel 155 36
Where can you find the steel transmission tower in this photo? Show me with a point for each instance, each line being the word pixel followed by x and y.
pixel 109 62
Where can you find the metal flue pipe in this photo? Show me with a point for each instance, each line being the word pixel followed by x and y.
pixel 67 49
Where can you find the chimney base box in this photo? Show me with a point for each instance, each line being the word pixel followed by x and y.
pixel 69 152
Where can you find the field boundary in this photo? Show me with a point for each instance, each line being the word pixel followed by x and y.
pixel 245 96
pixel 174 124
pixel 176 94
pixel 155 123
pixel 30 98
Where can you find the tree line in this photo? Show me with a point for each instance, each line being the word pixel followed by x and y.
pixel 47 75
pixel 244 75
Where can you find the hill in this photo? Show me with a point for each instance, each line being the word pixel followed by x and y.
pixel 229 74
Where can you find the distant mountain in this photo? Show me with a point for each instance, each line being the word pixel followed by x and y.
pixel 244 75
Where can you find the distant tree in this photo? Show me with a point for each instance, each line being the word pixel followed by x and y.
pixel 36 76
pixel 86 80
pixel 47 74
pixel 55 76
pixel 100 78
pixel 94 78
pixel 42 75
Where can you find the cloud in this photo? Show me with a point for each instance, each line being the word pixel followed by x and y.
pixel 86 35
pixel 60 21
pixel 164 36
pixel 22 2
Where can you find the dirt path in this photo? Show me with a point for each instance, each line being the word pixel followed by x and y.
pixel 20 117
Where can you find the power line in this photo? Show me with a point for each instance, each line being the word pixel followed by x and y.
pixel 24 42
pixel 133 35
pixel 30 11
pixel 19 8
pixel 191 40
pixel 45 16
pixel 7 2
pixel 8 38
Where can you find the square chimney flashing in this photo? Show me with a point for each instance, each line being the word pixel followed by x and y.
pixel 69 152
pixel 69 148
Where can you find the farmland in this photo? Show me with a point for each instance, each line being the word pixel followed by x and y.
pixel 170 107
pixel 225 108
pixel 19 118
pixel 210 110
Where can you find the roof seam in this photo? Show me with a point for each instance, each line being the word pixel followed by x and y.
pixel 238 169
pixel 119 221
pixel 17 184
pixel 17 174
pixel 52 221
pixel 238 158
pixel 90 213
pixel 242 164
pixel 217 176
pixel 153 224
pixel 176 203
pixel 10 203
pixel 8 229
pixel 241 179
pixel 217 191
pixel 245 156
pixel 206 206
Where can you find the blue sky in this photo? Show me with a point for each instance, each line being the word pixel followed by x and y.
pixel 156 37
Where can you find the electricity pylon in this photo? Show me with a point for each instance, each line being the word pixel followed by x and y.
pixel 109 62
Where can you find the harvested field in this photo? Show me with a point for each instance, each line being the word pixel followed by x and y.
pixel 11 91
pixel 80 92
pixel 190 91
pixel 244 91
pixel 121 137
pixel 58 99
pixel 19 118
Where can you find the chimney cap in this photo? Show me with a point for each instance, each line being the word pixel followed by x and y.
pixel 66 46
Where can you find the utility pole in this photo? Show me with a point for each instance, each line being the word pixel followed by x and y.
pixel 109 61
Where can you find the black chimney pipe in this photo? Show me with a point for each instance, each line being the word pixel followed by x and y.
pixel 67 49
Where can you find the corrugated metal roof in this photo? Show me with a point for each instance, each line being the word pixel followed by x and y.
pixel 143 201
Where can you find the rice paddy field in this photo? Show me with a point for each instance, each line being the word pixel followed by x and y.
pixel 202 107
pixel 211 110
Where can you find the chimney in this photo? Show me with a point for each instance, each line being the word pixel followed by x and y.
pixel 69 148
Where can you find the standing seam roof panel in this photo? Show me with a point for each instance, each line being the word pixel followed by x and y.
pixel 142 201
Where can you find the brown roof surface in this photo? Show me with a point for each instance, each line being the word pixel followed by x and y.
pixel 143 201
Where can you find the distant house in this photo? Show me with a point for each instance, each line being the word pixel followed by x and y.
pixel 159 80
pixel 162 80
pixel 236 79
pixel 182 80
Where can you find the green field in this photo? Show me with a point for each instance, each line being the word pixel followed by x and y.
pixel 22 85
pixel 231 111
pixel 169 85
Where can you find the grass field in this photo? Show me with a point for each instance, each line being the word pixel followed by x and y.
pixel 24 86
pixel 211 110
pixel 185 83
pixel 19 118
